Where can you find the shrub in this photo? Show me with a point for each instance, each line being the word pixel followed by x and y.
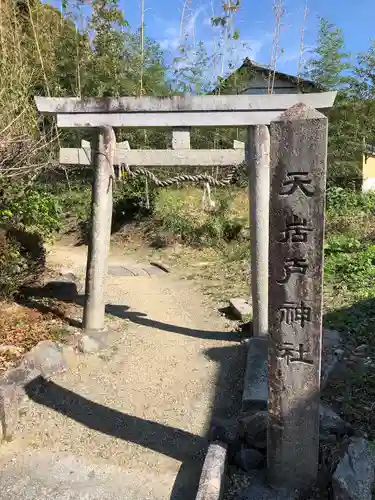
pixel 349 202
pixel 22 259
pixel 33 212
pixel 130 200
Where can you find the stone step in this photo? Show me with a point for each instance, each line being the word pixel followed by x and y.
pixel 255 392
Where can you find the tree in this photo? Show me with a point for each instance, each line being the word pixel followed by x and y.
pixel 364 87
pixel 330 65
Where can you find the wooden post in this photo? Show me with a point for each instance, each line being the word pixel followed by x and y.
pixel 298 179
pixel 258 151
pixel 97 255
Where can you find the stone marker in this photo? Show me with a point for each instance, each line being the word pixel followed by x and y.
pixel 298 179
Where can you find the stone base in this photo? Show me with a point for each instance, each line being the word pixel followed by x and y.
pixel 93 341
pixel 255 392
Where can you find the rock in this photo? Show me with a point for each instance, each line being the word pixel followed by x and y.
pixel 23 374
pixel 241 309
pixel 253 429
pixel 47 358
pixel 153 270
pixel 10 398
pixel 327 438
pixel 329 365
pixel 67 274
pixel 249 459
pixel 331 339
pixel 361 348
pixel 354 475
pixel 93 342
pixel 224 430
pixel 122 271
pixel 258 489
pixel 244 234
pixel 160 265
pixel 62 289
pixel 331 423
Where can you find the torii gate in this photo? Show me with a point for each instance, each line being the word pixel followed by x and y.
pixel 252 111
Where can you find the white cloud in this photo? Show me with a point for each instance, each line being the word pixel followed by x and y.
pixel 198 28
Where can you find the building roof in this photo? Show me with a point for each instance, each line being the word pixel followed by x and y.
pixel 248 64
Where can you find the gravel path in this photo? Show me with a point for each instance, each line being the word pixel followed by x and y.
pixel 131 424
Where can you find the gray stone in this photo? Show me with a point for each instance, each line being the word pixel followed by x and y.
pixel 68 275
pixel 241 309
pixel 259 490
pixel 354 475
pixel 249 459
pixel 121 271
pixel 22 374
pixel 361 349
pixel 331 339
pixel 62 289
pixel 332 355
pixel 153 271
pixel 211 484
pixel 331 423
pixel 255 392
pixel 224 430
pixel 93 342
pixel 160 265
pixel 330 364
pixel 253 429
pixel 298 185
pixel 47 358
pixel 10 399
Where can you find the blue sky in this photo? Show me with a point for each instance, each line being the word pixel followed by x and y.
pixel 255 21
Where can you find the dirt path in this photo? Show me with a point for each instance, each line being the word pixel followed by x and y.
pixel 131 424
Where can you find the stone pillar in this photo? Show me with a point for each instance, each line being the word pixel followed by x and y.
pixel 258 152
pixel 101 219
pixel 181 138
pixel 298 183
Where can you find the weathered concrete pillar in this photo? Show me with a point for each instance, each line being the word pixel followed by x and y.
pixel 258 154
pixel 181 138
pixel 298 180
pixel 101 219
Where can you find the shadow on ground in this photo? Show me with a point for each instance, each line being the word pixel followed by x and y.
pixel 357 321
pixel 181 445
pixel 69 294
